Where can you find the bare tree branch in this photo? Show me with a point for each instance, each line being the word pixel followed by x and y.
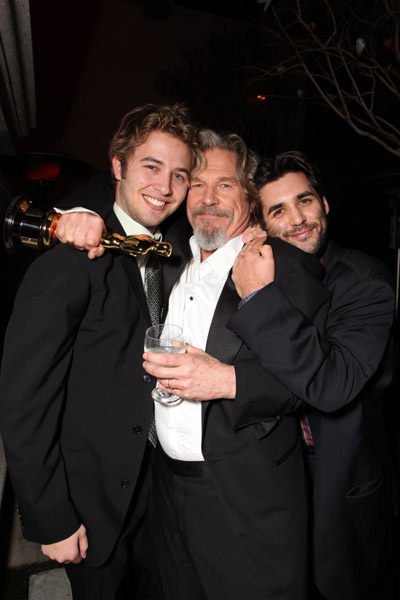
pixel 350 55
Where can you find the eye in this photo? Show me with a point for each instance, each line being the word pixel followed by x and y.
pixel 181 177
pixel 196 186
pixel 151 167
pixel 225 185
pixel 277 213
pixel 306 200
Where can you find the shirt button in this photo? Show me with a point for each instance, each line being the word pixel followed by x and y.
pixel 136 429
pixel 147 378
pixel 124 483
pixel 190 297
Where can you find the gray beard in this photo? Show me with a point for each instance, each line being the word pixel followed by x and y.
pixel 210 240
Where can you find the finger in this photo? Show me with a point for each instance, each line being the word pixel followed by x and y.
pixel 167 360
pixel 251 233
pixel 78 238
pixel 167 385
pixel 193 350
pixel 258 242
pixel 95 234
pixel 83 546
pixel 96 252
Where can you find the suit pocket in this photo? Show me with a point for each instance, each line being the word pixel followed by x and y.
pixel 71 459
pixel 264 428
pixel 363 490
pixel 288 453
pixel 366 522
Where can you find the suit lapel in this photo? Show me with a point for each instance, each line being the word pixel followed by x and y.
pixel 222 343
pixel 178 235
pixel 131 269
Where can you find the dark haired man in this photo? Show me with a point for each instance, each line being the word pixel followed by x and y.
pixel 341 375
pixel 75 403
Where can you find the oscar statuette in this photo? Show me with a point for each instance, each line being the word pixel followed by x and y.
pixel 26 225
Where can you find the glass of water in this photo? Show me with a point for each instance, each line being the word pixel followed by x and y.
pixel 164 339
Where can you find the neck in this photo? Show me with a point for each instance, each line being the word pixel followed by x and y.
pixel 204 254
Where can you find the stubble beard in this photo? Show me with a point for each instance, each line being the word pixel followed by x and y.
pixel 311 246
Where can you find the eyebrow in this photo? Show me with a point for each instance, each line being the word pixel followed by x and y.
pixel 228 178
pixel 298 197
pixel 160 162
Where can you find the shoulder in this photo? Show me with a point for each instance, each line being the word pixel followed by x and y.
pixel 355 264
pixel 63 268
pixel 63 256
pixel 286 254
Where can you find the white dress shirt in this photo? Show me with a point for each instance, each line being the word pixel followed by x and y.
pixel 191 306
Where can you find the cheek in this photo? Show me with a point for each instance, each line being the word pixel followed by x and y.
pixel 275 228
pixel 179 192
pixel 240 212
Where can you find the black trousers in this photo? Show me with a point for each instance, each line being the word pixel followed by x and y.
pixel 131 571
pixel 200 555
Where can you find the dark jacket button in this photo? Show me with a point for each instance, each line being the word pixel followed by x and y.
pixel 124 483
pixel 147 378
pixel 136 429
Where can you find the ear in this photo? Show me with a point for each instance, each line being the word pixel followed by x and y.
pixel 117 168
pixel 326 205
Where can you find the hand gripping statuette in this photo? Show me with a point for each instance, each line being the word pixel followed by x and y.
pixel 26 225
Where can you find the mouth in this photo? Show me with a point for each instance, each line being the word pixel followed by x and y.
pixel 302 234
pixel 212 213
pixel 208 216
pixel 154 202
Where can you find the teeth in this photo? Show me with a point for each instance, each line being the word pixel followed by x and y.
pixel 154 201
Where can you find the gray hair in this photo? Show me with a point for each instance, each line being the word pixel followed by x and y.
pixel 246 165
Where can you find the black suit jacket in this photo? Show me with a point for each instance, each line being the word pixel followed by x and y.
pixel 342 375
pixel 75 403
pixel 257 464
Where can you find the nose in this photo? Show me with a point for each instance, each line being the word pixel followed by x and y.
pixel 164 184
pixel 297 216
pixel 210 197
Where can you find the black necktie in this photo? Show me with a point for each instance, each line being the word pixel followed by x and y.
pixel 154 287
pixel 154 296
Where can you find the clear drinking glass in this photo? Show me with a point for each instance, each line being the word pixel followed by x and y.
pixel 164 339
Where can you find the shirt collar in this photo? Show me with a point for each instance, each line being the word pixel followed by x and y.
pixel 220 261
pixel 132 227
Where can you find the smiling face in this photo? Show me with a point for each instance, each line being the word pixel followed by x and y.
pixel 294 213
pixel 217 206
pixel 155 180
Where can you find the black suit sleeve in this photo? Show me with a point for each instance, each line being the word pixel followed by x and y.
pixel 260 394
pixel 38 349
pixel 326 370
pixel 97 195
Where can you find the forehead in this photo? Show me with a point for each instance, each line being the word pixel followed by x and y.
pixel 219 163
pixel 162 145
pixel 285 189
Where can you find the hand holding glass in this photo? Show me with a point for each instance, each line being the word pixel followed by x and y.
pixel 164 339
